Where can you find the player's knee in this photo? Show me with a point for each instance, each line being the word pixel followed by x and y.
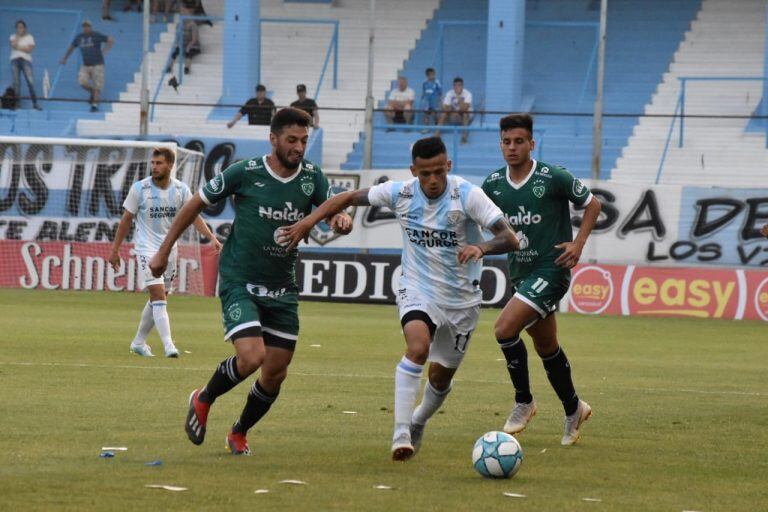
pixel 418 351
pixel 505 330
pixel 440 382
pixel 250 360
pixel 545 346
pixel 272 379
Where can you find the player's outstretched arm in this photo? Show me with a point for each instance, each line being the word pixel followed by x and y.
pixel 204 230
pixel 293 234
pixel 122 231
pixel 186 216
pixel 572 253
pixel 504 240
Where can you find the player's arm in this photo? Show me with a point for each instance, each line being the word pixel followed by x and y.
pixel 204 230
pixel 294 233
pixel 503 241
pixel 572 250
pixel 186 216
pixel 122 232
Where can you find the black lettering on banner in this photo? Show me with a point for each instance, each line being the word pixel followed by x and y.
pixel 107 232
pixel 609 214
pixel 48 231
pixel 102 183
pixel 645 217
pixel 651 255
pixel 83 231
pixel 710 252
pixel 223 230
pixel 14 171
pixel 376 214
pixel 219 157
pixel 681 250
pixel 728 208
pixel 77 175
pixel 15 229
pixel 756 218
pixel 34 180
pixel 137 170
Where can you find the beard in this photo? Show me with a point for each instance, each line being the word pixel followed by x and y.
pixel 282 156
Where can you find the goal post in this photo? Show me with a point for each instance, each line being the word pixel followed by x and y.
pixel 60 205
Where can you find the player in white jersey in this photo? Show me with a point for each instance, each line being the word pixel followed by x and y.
pixel 439 294
pixel 153 202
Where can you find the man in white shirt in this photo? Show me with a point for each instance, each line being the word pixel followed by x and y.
pixel 154 202
pixel 457 107
pixel 22 44
pixel 400 104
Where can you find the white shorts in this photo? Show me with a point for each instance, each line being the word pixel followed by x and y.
pixel 453 327
pixel 145 274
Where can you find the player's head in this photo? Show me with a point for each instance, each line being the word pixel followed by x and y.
pixel 162 163
pixel 430 165
pixel 261 92
pixel 430 72
pixel 301 91
pixel 289 133
pixel 516 138
pixel 458 84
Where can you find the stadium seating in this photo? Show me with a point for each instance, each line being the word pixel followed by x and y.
pixel 556 64
pixel 53 32
pixel 715 151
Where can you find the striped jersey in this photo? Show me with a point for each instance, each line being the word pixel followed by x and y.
pixel 434 231
pixel 154 209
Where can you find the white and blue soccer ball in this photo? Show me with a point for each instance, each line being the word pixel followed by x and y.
pixel 497 455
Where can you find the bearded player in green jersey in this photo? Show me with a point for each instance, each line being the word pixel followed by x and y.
pixel 257 280
pixel 534 197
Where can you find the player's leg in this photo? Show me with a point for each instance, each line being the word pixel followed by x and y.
pixel 159 302
pixel 558 368
pixel 139 344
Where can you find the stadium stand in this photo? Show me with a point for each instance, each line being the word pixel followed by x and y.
pixel 557 60
pixel 53 24
pixel 711 146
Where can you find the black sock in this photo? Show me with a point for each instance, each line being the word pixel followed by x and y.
pixel 259 402
pixel 559 375
pixel 517 365
pixel 224 378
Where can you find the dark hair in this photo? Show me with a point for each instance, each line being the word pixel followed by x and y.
pixel 428 147
pixel 458 80
pixel 22 22
pixel 165 153
pixel 260 87
pixel 429 70
pixel 516 121
pixel 289 116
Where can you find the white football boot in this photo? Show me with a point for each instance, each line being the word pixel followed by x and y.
pixel 573 423
pixel 519 418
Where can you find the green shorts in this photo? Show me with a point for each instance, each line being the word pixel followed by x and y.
pixel 542 289
pixel 256 311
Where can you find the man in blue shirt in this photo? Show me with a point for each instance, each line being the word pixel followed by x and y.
pixel 91 74
pixel 431 94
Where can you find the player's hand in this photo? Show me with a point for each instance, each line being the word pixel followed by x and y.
pixel 470 252
pixel 764 231
pixel 114 260
pixel 216 245
pixel 290 236
pixel 158 263
pixel 341 223
pixel 571 254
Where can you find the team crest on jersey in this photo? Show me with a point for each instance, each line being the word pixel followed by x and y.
pixel 578 188
pixel 308 188
pixel 455 216
pixel 538 191
pixel 337 183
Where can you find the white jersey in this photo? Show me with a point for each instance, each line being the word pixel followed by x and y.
pixel 154 209
pixel 434 231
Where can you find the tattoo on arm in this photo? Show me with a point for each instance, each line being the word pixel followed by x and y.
pixel 503 240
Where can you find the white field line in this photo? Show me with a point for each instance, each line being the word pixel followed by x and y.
pixel 349 376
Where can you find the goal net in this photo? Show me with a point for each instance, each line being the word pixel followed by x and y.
pixel 60 205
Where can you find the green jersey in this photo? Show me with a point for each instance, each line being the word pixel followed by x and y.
pixel 537 209
pixel 264 202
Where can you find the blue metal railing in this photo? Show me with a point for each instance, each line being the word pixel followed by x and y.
pixel 680 111
pixel 538 134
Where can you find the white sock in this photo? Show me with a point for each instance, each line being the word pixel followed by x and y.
pixel 145 325
pixel 407 380
pixel 162 322
pixel 429 405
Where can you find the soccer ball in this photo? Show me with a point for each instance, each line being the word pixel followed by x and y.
pixel 497 455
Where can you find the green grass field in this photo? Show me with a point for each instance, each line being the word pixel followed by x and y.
pixel 680 415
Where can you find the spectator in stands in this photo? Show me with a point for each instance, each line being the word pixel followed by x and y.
pixel 308 105
pixel 130 3
pixel 431 94
pixel 259 109
pixel 190 40
pixel 105 11
pixel 91 74
pixel 167 7
pixel 22 44
pixel 400 104
pixel 457 107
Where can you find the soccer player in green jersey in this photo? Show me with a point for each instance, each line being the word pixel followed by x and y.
pixel 534 197
pixel 257 280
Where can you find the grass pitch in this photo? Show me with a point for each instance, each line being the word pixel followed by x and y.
pixel 680 415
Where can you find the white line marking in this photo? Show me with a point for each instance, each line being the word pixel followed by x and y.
pixel 357 376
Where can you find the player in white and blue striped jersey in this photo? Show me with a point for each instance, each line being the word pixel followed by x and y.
pixel 439 295
pixel 154 202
